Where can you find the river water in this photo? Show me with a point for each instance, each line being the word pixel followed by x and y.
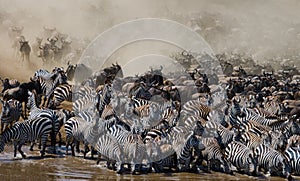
pixel 62 167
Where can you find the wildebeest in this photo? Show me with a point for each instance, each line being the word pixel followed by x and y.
pixel 78 72
pixel 46 53
pixel 25 50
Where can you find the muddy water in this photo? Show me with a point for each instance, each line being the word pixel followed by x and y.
pixel 61 167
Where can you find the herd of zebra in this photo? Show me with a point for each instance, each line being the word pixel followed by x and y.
pixel 146 122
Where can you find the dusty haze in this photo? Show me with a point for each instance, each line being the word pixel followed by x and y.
pixel 264 29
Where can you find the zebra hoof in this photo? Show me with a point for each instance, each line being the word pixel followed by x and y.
pixel 42 154
pixel 289 177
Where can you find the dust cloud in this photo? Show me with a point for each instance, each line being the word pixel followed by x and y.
pixel 267 30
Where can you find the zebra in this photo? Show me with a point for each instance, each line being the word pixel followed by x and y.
pixel 87 103
pixel 48 84
pixel 262 112
pixel 170 162
pixel 153 135
pixel 74 128
pixel 271 160
pixel 28 130
pixel 104 98
pixel 196 108
pixel 108 112
pixel 83 91
pixel 224 135
pixel 11 112
pixel 252 140
pixel 62 93
pixel 132 145
pixel 184 151
pixel 240 156
pixel 294 141
pixel 214 155
pixel 251 115
pixel 273 107
pixel 109 149
pixel 58 119
pixel 293 156
pixel 192 123
pixel 234 112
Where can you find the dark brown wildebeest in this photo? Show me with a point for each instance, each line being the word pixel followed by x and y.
pixel 25 50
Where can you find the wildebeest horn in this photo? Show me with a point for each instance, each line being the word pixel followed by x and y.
pixel 161 67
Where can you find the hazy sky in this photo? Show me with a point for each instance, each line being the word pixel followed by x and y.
pixel 260 28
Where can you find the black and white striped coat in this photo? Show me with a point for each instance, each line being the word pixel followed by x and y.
pixel 29 130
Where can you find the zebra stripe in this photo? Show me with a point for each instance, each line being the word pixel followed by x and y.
pixel 58 118
pixel 132 145
pixel 184 152
pixel 293 156
pixel 214 155
pixel 28 130
pixel 196 108
pixel 104 98
pixel 75 128
pixel 62 93
pixel 270 160
pixel 49 84
pixel 240 156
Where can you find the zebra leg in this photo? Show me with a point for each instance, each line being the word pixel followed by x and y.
pixel 20 151
pixel 60 139
pixel 93 151
pixel 98 158
pixel 120 167
pixel 53 141
pixel 31 146
pixel 72 148
pixel 86 150
pixel 15 148
pixel 77 143
pixel 67 147
pixel 40 143
pixel 43 141
pixel 135 168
